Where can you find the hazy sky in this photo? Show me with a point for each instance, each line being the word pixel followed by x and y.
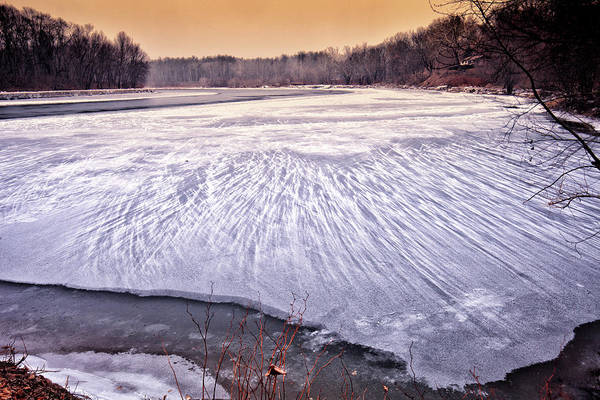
pixel 246 28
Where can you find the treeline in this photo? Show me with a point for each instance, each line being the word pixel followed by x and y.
pixel 558 40
pixel 405 58
pixel 38 51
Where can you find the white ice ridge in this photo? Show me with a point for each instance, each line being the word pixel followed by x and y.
pixel 123 376
pixel 401 213
pixel 103 97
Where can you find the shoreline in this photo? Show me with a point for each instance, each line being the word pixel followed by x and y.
pixel 44 94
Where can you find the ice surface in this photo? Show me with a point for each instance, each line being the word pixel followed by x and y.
pixel 401 213
pixel 105 97
pixel 123 376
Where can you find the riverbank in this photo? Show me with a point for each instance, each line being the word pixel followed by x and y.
pixel 18 382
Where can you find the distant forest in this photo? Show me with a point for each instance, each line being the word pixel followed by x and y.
pixel 406 58
pixel 40 52
pixel 557 40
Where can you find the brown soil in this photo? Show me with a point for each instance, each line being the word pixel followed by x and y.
pixel 17 382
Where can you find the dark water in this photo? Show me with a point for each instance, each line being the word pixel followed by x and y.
pixel 53 319
pixel 223 96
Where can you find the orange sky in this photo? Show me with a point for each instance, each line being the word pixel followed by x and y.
pixel 246 28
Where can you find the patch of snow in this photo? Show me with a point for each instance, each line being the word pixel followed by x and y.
pixel 124 376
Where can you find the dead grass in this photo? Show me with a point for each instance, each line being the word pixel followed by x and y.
pixel 18 382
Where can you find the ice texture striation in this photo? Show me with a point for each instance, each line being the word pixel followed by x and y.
pixel 401 213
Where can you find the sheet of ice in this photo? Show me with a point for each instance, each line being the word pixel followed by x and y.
pixel 124 376
pixel 400 212
pixel 106 97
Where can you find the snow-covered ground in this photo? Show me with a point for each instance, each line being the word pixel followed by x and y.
pixel 401 213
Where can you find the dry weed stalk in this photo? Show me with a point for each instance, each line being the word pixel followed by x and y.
pixel 259 367
pixel 258 360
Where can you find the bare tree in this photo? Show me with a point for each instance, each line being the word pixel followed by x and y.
pixel 38 51
pixel 543 40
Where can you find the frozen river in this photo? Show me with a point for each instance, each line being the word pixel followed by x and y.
pixel 401 213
